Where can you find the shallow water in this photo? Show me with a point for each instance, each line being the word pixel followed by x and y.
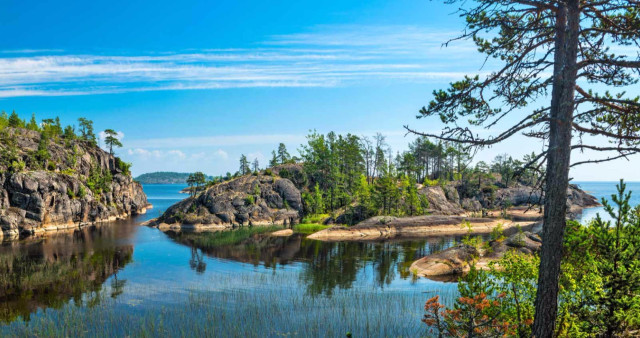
pixel 123 279
pixel 138 280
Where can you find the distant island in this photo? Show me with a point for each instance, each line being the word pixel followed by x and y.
pixel 164 177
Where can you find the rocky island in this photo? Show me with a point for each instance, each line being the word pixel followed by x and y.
pixel 53 179
pixel 261 199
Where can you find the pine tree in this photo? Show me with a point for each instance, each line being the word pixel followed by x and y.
pixel 33 124
pixel 283 155
pixel 274 159
pixel 86 130
pixel 111 140
pixel 15 121
pixel 244 165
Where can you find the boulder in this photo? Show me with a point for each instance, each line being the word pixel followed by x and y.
pixel 453 261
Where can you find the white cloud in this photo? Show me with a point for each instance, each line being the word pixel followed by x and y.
pixel 222 154
pixel 328 56
pixel 176 154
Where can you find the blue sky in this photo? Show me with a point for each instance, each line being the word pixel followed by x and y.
pixel 193 84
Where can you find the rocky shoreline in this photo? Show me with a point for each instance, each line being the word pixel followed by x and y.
pixel 252 200
pixel 457 260
pixel 81 185
pixel 381 227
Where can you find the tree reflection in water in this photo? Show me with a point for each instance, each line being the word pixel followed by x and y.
pixel 325 266
pixel 51 272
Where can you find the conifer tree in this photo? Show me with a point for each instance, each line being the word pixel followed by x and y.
pixel 561 52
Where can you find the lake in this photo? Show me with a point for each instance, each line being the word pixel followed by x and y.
pixel 123 279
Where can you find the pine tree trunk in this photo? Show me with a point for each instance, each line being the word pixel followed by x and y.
pixel 557 179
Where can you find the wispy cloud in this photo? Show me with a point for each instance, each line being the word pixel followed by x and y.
pixel 326 56
pixel 214 141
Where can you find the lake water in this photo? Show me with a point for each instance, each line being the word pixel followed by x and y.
pixel 123 279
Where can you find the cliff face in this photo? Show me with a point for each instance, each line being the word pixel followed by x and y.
pixel 247 200
pixel 79 183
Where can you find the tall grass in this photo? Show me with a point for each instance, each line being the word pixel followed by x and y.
pixel 240 305
pixel 309 228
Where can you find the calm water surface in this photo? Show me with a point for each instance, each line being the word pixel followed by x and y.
pixel 122 279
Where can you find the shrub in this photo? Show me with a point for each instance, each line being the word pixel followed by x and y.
pixel 124 167
pixel 249 200
pixel 431 183
pixel 82 192
pixel 68 171
pixel 315 218
pixel 497 233
pixel 70 193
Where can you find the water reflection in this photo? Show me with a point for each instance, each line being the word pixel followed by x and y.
pixel 325 266
pixel 53 271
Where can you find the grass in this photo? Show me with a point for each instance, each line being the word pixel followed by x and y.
pixel 309 228
pixel 251 305
pixel 228 237
pixel 314 219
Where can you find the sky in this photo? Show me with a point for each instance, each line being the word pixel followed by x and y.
pixel 191 85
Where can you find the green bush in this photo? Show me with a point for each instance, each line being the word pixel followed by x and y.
pixel 124 167
pixel 70 193
pixel 431 183
pixel 497 233
pixel 68 171
pixel 82 192
pixel 314 218
pixel 249 200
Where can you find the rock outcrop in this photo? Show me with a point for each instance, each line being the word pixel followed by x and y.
pixel 458 259
pixel 247 200
pixel 384 227
pixel 81 184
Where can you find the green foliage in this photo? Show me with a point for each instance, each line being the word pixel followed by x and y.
pixel 99 181
pixel 86 130
pixel 249 200
pixel 68 171
pixel 431 183
pixel 82 192
pixel 42 154
pixel 607 262
pixel 111 140
pixel 124 167
pixel 244 165
pixel 33 124
pixel 478 312
pixel 599 284
pixel 469 239
pixel 309 228
pixel 70 193
pixel 195 180
pixel 497 233
pixel 15 121
pixel 17 166
pixel 315 218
